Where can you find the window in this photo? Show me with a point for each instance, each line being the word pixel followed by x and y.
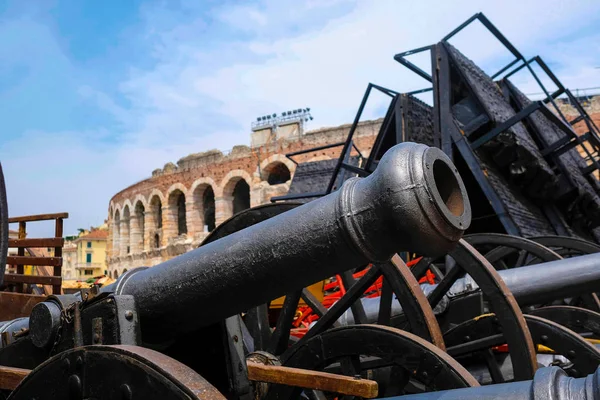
pixel 89 245
pixel 88 272
pixel 88 258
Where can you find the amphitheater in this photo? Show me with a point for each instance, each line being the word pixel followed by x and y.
pixel 174 210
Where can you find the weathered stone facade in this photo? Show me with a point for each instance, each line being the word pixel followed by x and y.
pixel 173 211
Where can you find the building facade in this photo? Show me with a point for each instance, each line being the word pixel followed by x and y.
pixel 90 254
pixel 69 256
pixel 174 210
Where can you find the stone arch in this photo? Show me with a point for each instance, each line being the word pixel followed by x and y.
pixel 136 233
pixel 177 186
pixel 116 233
pixel 202 217
pixel 127 203
pixel 125 229
pixel 115 274
pixel 176 221
pixel 269 162
pixel 141 199
pixel 236 193
pixel 158 193
pixel 276 173
pixel 117 209
pixel 154 221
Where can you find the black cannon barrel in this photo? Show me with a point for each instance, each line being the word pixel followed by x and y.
pixel 554 280
pixel 414 200
pixel 548 383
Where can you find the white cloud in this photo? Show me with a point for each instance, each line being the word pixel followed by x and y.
pixel 212 75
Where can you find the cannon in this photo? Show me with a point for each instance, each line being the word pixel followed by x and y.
pixel 548 383
pixel 415 200
pixel 523 283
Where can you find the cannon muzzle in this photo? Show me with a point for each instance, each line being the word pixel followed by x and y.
pixel 415 200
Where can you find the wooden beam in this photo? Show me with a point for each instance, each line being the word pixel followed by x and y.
pixel 39 217
pixel 32 279
pixel 26 260
pixel 45 242
pixel 58 232
pixel 11 377
pixel 17 305
pixel 317 380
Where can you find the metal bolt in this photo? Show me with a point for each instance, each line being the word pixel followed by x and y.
pixel 126 393
pixel 571 354
pixel 544 339
pixel 240 368
pixel 128 315
pixel 66 363
pixel 235 338
pixel 467 338
pixel 427 165
pixel 424 374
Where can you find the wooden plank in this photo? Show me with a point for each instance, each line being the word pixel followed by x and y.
pixel 317 380
pixel 21 253
pixel 10 377
pixel 58 232
pixel 39 217
pixel 41 242
pixel 17 305
pixel 26 260
pixel 33 279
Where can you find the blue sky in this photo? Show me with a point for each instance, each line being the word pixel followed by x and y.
pixel 97 94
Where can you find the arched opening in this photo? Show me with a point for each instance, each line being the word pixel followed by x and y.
pixel 276 173
pixel 181 217
pixel 204 201
pixel 137 228
pixel 241 196
pixel 154 221
pixel 125 270
pixel 177 216
pixel 116 233
pixel 115 274
pixel 125 229
pixel 208 202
